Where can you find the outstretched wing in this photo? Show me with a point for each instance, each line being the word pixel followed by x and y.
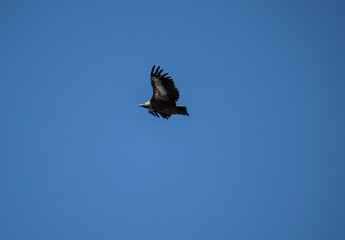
pixel 164 115
pixel 163 86
pixel 154 113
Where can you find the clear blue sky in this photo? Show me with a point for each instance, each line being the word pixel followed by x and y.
pixel 262 155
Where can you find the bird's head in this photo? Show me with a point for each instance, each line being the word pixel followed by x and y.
pixel 145 105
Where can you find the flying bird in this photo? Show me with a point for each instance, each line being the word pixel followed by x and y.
pixel 165 95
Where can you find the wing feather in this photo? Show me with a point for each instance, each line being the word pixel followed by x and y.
pixel 153 69
pixel 154 113
pixel 163 87
pixel 157 71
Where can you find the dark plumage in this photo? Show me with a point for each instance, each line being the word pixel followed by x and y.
pixel 165 95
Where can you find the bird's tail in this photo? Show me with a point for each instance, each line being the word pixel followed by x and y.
pixel 182 111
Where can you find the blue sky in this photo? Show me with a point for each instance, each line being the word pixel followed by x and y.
pixel 260 157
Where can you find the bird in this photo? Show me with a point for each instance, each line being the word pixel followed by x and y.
pixel 165 95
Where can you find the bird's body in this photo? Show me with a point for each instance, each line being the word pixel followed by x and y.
pixel 165 95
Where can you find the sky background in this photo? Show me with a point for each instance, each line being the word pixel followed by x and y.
pixel 262 155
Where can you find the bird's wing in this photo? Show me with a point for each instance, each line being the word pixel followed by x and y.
pixel 163 86
pixel 164 115
pixel 154 113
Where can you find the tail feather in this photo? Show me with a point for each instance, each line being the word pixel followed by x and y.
pixel 182 111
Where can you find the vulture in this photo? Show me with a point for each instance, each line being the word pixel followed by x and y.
pixel 165 96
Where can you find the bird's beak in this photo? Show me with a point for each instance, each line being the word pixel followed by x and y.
pixel 141 105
